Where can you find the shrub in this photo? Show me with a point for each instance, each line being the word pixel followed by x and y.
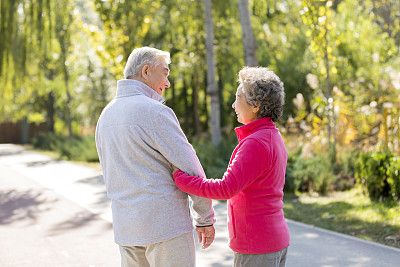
pixel 312 174
pixel 394 178
pixel 46 141
pixel 79 148
pixel 375 174
pixel 71 148
pixel 215 160
pixel 290 178
pixel 344 170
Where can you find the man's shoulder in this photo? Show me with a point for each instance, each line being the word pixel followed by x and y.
pixel 162 110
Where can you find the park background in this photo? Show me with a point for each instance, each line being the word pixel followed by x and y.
pixel 339 61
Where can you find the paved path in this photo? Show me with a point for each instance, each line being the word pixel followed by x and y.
pixel 39 227
pixel 55 213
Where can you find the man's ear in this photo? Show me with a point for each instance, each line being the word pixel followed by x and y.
pixel 145 71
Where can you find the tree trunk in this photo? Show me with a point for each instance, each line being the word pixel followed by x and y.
pixel 331 123
pixel 68 117
pixel 24 131
pixel 173 93
pixel 249 42
pixel 186 103
pixel 215 126
pixel 195 101
pixel 221 96
pixel 68 104
pixel 50 101
pixel 205 104
pixel 50 112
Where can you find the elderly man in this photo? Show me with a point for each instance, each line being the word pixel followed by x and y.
pixel 139 140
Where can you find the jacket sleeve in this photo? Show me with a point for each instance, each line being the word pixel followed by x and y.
pixel 98 144
pixel 172 143
pixel 249 163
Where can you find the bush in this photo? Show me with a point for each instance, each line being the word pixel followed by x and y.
pixel 79 148
pixel 215 160
pixel 313 174
pixel 378 174
pixel 46 141
pixel 394 178
pixel 71 148
pixel 290 178
pixel 344 170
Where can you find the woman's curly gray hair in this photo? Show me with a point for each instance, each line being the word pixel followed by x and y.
pixel 263 88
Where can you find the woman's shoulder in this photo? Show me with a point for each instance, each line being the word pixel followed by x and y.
pixel 255 144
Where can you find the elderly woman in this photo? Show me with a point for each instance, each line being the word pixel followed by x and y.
pixel 253 182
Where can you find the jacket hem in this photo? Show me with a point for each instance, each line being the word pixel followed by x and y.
pixel 153 240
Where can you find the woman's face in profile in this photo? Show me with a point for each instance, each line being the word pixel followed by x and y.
pixel 244 111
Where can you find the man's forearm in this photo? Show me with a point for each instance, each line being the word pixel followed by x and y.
pixel 204 212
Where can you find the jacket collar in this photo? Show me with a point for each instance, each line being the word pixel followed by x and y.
pixel 128 87
pixel 247 129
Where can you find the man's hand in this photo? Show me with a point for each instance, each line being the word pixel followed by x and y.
pixel 206 235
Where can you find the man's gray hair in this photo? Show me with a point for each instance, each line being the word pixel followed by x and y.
pixel 143 56
pixel 263 88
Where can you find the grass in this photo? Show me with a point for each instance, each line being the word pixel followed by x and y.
pixel 350 212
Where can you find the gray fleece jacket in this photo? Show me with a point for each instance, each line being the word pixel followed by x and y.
pixel 138 139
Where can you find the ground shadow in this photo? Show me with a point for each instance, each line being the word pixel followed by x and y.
pixel 80 219
pixel 228 260
pixel 95 180
pixel 102 199
pixel 21 205
pixel 40 163
pixel 10 152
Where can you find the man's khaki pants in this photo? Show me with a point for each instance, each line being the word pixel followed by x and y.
pixel 176 252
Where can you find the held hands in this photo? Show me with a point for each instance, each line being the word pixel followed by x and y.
pixel 206 235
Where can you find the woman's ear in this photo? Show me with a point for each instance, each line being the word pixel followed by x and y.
pixel 255 109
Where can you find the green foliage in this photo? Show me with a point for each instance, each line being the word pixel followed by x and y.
pixel 344 170
pixel 378 174
pixel 312 174
pixel 71 148
pixel 290 177
pixel 394 178
pixel 48 141
pixel 215 159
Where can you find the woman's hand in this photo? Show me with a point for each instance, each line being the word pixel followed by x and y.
pixel 174 169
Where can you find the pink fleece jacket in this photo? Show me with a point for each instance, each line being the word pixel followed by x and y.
pixel 253 185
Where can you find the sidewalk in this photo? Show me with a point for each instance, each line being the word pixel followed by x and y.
pixel 82 188
pixel 41 228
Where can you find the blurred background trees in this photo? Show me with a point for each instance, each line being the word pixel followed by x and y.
pixel 339 61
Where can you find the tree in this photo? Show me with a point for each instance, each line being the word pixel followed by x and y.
pixel 63 21
pixel 215 127
pixel 318 16
pixel 249 42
